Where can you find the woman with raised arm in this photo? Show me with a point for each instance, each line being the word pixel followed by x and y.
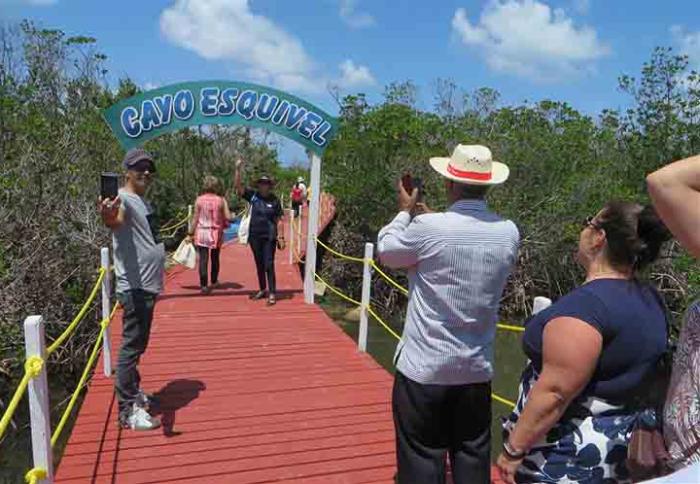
pixel 265 233
pixel 675 191
pixel 211 217
pixel 593 354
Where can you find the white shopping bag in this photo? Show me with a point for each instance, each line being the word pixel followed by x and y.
pixel 186 255
pixel 244 227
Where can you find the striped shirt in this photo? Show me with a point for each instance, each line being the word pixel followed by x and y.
pixel 458 263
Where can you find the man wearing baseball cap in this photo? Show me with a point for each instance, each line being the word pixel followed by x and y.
pixel 139 263
pixel 457 262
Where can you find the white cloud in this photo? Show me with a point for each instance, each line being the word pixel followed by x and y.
pixel 149 86
pixel 688 44
pixel 229 30
pixel 353 76
pixel 355 19
pixel 529 39
pixel 582 6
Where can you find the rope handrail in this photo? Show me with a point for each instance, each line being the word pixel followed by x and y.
pixel 32 368
pixel 376 267
pixel 104 324
pixel 338 254
pixel 388 328
pixel 79 317
pixel 176 225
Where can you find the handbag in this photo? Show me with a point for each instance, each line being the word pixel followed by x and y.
pixel 185 255
pixel 244 227
pixel 647 456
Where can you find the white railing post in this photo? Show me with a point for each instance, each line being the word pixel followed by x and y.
pixel 312 230
pixel 540 303
pixel 39 411
pixel 106 310
pixel 300 220
pixel 366 297
pixel 291 236
pixel 189 218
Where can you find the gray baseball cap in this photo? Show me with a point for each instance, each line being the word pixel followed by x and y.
pixel 137 155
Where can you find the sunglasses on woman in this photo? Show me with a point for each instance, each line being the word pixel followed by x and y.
pixel 589 222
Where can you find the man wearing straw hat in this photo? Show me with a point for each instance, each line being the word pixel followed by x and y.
pixel 458 262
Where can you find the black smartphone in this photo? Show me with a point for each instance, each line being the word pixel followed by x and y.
pixel 418 183
pixel 109 186
pixel 407 182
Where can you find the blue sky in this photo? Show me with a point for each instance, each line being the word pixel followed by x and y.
pixel 570 50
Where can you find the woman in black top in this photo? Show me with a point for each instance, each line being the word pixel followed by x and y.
pixel 264 234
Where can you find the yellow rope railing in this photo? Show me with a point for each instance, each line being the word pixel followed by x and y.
pixel 79 317
pixel 176 225
pixel 104 324
pixel 338 254
pixel 32 368
pixel 384 324
pixel 35 475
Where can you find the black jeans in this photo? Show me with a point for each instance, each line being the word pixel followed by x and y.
pixel 264 249
pixel 204 263
pixel 295 207
pixel 434 420
pixel 138 306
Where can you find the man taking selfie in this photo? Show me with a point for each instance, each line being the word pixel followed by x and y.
pixel 139 263
pixel 458 262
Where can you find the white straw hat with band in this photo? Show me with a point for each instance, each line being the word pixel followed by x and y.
pixel 471 165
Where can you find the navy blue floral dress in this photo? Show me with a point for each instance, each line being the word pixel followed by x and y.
pixel 589 443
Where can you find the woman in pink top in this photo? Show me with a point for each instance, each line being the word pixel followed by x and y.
pixel 211 217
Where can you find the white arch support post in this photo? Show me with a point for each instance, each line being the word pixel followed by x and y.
pixel 310 260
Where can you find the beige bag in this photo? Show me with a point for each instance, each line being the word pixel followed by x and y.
pixel 186 255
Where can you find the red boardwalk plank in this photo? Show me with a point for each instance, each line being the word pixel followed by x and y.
pixel 250 394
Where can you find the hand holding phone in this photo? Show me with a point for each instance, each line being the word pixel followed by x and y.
pixel 109 186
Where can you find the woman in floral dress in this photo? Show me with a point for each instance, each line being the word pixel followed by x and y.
pixel 591 356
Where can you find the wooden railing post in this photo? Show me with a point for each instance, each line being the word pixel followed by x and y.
pixel 39 411
pixel 366 297
pixel 106 310
pixel 312 231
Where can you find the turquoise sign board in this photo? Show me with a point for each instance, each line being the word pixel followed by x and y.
pixel 170 108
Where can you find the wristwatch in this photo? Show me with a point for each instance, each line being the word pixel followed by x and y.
pixel 511 453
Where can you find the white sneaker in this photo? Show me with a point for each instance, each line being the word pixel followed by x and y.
pixel 140 419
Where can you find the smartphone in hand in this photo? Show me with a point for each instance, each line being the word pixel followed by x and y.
pixel 109 186
pixel 418 184
pixel 407 182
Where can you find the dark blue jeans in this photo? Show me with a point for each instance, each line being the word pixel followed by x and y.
pixel 264 249
pixel 138 306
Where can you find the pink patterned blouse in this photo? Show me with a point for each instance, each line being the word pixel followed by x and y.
pixel 682 409
pixel 211 222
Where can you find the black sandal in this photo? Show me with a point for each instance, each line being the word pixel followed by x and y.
pixel 258 295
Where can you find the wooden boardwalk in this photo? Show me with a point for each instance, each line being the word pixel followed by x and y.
pixel 249 394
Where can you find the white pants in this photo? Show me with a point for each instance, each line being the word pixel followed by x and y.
pixel 687 475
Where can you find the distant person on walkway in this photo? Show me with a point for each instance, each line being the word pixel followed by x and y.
pixel 139 262
pixel 458 262
pixel 211 217
pixel 675 191
pixel 594 355
pixel 298 195
pixel 265 235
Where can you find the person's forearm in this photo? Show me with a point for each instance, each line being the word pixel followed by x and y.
pixel 681 173
pixel 545 406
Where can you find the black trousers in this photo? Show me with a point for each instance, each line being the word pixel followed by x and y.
pixel 204 263
pixel 138 307
pixel 295 207
pixel 264 249
pixel 432 421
